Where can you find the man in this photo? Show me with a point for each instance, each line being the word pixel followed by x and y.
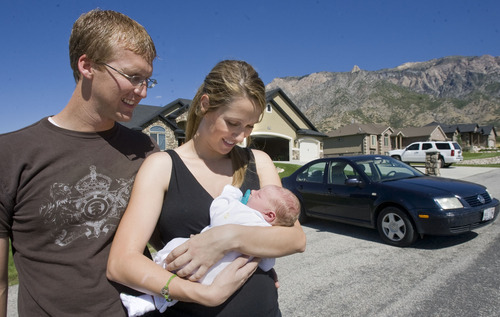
pixel 65 180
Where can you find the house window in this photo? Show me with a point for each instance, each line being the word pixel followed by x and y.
pixel 269 108
pixel 386 140
pixel 157 133
pixel 374 140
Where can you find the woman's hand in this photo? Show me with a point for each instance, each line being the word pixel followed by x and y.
pixel 231 279
pixel 193 258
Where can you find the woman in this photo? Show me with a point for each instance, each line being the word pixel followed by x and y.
pixel 173 192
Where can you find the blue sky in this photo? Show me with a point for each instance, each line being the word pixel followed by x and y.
pixel 279 38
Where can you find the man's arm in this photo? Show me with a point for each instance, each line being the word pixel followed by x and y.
pixel 4 273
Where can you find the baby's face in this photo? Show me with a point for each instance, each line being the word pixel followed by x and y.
pixel 261 199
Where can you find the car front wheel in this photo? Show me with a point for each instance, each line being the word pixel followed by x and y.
pixel 395 228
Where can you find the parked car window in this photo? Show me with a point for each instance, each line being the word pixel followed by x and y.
pixel 391 170
pixel 367 168
pixel 336 174
pixel 443 146
pixel 414 147
pixel 313 174
pixel 426 146
pixel 350 172
pixel 456 146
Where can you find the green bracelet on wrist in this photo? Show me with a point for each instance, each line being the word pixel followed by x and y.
pixel 164 291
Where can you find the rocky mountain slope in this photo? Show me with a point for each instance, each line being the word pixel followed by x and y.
pixel 449 90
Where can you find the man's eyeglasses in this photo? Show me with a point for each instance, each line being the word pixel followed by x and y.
pixel 135 80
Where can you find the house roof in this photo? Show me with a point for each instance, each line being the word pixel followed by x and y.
pixel 487 129
pixel 468 127
pixel 359 128
pixel 144 113
pixel 418 131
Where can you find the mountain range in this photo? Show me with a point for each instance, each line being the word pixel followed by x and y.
pixel 448 90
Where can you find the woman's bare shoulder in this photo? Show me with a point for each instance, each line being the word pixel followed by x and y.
pixel 261 156
pixel 266 169
pixel 158 160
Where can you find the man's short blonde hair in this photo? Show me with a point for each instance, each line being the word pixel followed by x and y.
pixel 98 33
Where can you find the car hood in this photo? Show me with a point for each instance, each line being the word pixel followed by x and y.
pixel 437 186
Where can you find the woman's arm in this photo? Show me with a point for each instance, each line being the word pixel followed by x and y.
pixel 203 250
pixel 127 264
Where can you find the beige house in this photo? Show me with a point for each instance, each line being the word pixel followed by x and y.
pixel 357 138
pixel 405 136
pixel 284 132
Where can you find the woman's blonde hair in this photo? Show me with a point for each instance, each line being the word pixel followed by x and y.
pixel 229 79
pixel 98 33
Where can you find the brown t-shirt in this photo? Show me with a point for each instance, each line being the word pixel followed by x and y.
pixel 62 194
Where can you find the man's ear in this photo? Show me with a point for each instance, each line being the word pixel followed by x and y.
pixel 85 67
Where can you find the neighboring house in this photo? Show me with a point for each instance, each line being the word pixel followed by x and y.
pixel 284 132
pixel 472 135
pixel 488 137
pixel 357 139
pixel 166 125
pixel 405 136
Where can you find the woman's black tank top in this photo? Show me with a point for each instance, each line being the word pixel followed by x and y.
pixel 185 211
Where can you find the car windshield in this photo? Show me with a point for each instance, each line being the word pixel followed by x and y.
pixel 381 169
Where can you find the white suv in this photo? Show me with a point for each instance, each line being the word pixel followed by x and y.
pixel 449 152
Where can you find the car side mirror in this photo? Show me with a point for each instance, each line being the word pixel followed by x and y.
pixel 354 182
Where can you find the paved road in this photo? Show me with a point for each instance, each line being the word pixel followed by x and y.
pixel 347 271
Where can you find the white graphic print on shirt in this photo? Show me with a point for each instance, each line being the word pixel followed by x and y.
pixel 87 209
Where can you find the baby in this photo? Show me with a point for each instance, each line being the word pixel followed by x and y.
pixel 269 206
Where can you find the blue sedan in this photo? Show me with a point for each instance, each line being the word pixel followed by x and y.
pixel 399 201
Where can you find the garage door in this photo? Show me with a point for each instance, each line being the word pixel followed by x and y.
pixel 308 151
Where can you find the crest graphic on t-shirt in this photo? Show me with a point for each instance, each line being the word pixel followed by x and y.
pixel 87 209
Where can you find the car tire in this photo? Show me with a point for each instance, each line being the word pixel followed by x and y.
pixel 395 227
pixel 441 162
pixel 397 157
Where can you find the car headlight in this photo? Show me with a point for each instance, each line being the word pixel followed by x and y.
pixel 449 202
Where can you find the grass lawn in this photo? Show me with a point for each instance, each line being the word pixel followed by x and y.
pixel 12 269
pixel 481 155
pixel 285 169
